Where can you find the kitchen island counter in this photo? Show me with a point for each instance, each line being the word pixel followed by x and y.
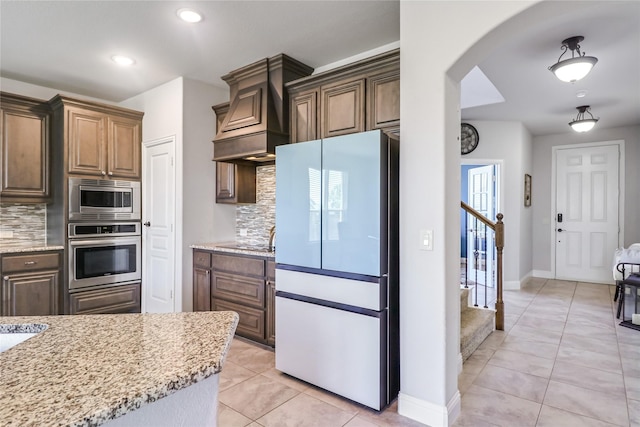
pixel 236 248
pixel 87 370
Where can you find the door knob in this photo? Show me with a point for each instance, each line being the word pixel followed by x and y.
pixel 560 230
pixel 147 224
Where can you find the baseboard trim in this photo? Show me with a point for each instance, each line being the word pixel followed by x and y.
pixel 511 285
pixel 543 274
pixel 429 413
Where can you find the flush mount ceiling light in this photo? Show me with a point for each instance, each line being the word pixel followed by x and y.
pixel 580 124
pixel 122 60
pixel 189 15
pixel 576 67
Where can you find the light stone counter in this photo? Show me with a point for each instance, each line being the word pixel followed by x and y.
pixel 18 248
pixel 86 370
pixel 236 248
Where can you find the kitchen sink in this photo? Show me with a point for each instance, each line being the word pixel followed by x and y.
pixel 13 334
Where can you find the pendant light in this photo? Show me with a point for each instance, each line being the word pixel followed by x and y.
pixel 580 124
pixel 573 69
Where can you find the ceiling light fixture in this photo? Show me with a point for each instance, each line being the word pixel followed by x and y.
pixel 125 61
pixel 573 69
pixel 189 15
pixel 580 124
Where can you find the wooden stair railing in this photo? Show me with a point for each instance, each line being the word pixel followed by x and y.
pixel 498 228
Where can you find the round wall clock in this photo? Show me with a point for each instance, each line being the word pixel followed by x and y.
pixel 468 138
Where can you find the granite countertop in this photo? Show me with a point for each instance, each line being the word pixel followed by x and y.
pixel 236 248
pixel 17 248
pixel 86 369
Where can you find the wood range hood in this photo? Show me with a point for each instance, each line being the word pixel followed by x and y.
pixel 257 117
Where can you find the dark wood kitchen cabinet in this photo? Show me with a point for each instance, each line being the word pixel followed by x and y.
pixel 201 281
pixel 238 283
pixel 271 303
pixel 358 97
pixel 99 140
pixel 116 299
pixel 31 284
pixel 24 149
pixel 235 183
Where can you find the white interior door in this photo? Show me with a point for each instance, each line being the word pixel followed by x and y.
pixel 480 238
pixel 587 180
pixel 158 213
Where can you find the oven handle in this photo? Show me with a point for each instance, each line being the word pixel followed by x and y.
pixel 106 242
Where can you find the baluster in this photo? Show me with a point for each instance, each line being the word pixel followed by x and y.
pixel 475 256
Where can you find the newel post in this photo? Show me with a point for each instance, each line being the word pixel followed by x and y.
pixel 499 247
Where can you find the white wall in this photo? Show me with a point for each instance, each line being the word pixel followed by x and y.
pixel 203 219
pixel 430 196
pixel 510 144
pixel 543 218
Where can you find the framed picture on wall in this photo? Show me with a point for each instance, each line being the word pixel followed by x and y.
pixel 527 189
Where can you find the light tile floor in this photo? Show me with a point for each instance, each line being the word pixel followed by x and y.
pixel 562 361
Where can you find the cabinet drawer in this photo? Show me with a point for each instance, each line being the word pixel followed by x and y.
pixel 251 323
pixel 121 299
pixel 238 264
pixel 30 262
pixel 243 290
pixel 202 259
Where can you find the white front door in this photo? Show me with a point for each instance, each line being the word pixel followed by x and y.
pixel 480 238
pixel 586 233
pixel 158 213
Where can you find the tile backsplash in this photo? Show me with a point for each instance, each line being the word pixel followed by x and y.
pixel 258 218
pixel 23 224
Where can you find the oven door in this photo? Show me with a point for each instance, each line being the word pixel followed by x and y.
pixel 104 261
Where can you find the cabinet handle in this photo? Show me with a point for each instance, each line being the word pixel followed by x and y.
pixel 30 262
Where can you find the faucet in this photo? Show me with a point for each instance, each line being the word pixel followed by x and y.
pixel 272 236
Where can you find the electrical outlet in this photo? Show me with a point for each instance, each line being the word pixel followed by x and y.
pixel 426 240
pixel 243 232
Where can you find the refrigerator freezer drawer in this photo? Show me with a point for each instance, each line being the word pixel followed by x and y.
pixel 370 295
pixel 337 350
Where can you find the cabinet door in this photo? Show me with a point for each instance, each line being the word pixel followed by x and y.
pixel 351 210
pixel 304 113
pixel 271 312
pixel 124 147
pixel 299 195
pixel 240 289
pixel 342 108
pixel 235 183
pixel 30 294
pixel 201 289
pixel 24 154
pixel 87 135
pixel 383 93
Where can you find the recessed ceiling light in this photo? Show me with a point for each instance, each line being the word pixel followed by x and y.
pixel 189 15
pixel 122 60
pixel 581 93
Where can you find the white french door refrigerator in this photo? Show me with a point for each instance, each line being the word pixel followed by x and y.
pixel 337 265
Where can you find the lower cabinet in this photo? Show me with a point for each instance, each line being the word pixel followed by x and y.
pixel 31 284
pixel 117 299
pixel 240 283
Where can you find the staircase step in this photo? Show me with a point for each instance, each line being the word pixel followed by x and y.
pixel 476 324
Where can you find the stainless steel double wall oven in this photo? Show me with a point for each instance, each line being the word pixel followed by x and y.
pixel 104 233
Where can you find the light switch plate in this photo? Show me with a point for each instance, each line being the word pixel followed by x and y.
pixel 243 232
pixel 426 240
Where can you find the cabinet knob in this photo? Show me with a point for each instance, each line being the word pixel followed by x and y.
pixel 6 277
pixel 110 173
pixel 103 173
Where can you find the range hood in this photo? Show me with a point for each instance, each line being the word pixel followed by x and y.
pixel 257 118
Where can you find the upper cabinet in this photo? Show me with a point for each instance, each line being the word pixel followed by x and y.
pixel 355 98
pixel 24 149
pixel 99 140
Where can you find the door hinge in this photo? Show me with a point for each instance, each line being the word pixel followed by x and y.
pixel 171 294
pixel 171 161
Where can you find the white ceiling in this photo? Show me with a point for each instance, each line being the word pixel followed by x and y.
pixel 67 45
